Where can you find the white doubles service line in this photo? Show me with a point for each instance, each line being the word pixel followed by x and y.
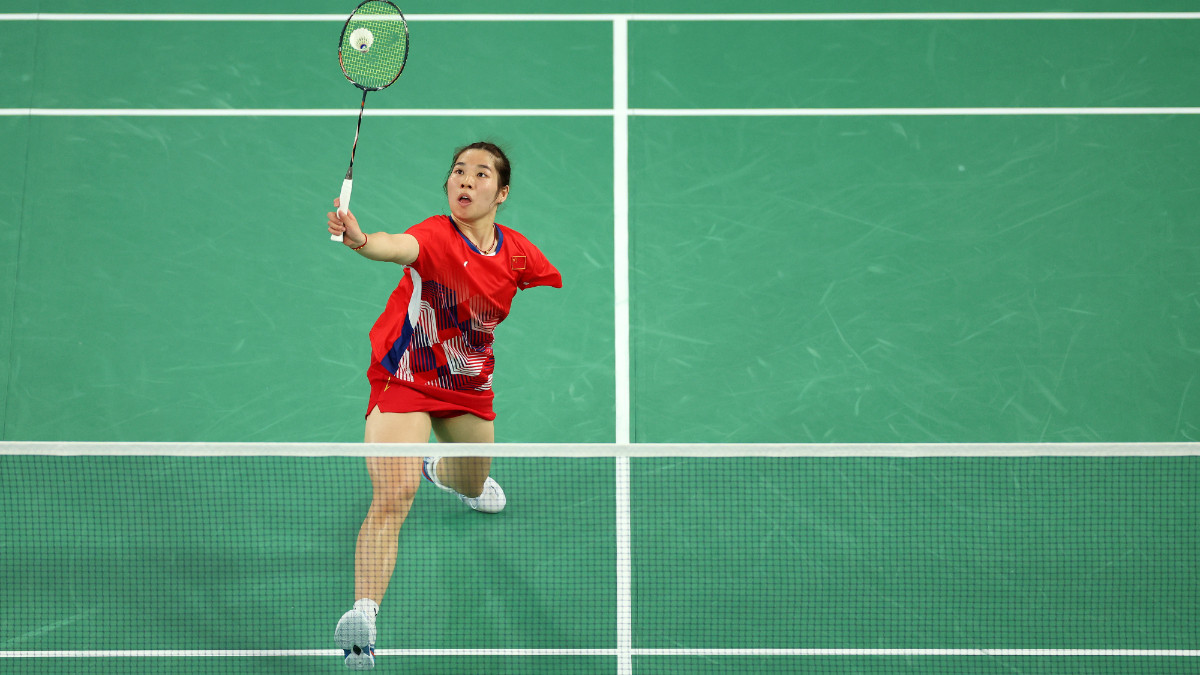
pixel 241 653
pixel 809 16
pixel 607 450
pixel 586 112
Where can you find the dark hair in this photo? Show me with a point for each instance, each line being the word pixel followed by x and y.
pixel 502 166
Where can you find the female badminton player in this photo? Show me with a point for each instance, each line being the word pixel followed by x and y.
pixel 431 362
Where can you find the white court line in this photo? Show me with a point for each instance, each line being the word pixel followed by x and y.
pixel 624 533
pixel 304 112
pixel 243 653
pixel 621 357
pixel 808 16
pixel 917 652
pixel 586 112
pixel 889 112
pixel 600 450
pixel 620 113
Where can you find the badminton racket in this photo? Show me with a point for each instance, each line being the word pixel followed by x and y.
pixel 372 51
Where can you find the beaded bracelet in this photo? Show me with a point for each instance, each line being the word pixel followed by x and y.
pixel 362 244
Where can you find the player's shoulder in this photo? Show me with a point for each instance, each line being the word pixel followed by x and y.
pixel 515 238
pixel 433 225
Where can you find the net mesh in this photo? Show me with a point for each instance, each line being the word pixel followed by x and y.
pixel 374 45
pixel 160 562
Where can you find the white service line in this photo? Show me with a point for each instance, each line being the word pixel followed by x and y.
pixel 243 653
pixel 304 112
pixel 697 652
pixel 917 652
pixel 804 16
pixel 619 114
pixel 916 16
pixel 898 112
pixel 720 451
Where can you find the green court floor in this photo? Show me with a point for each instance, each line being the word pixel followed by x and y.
pixel 877 260
pixel 891 277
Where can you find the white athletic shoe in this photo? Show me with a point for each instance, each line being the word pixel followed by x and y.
pixel 355 635
pixel 491 500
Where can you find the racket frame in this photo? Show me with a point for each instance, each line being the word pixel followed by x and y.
pixel 348 181
pixel 342 40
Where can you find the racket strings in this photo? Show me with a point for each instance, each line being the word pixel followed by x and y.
pixel 380 63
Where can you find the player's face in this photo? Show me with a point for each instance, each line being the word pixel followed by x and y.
pixel 473 186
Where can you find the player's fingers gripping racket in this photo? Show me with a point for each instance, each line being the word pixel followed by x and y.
pixel 372 51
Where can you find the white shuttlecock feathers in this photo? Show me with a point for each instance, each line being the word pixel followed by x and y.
pixel 361 39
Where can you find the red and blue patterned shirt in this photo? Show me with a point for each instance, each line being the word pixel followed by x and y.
pixel 437 327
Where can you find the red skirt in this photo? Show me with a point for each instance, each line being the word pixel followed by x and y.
pixel 396 396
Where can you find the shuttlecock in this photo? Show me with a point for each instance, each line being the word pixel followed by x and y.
pixel 361 39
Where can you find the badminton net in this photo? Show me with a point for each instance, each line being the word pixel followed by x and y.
pixel 641 559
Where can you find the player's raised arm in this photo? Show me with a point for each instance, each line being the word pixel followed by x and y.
pixel 401 249
pixel 372 52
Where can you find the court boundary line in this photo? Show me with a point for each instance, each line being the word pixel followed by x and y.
pixel 622 365
pixel 624 570
pixel 244 653
pixel 601 17
pixel 621 325
pixel 603 450
pixel 595 112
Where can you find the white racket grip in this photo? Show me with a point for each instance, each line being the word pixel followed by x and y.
pixel 343 203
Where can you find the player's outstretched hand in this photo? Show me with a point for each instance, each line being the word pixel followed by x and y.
pixel 345 224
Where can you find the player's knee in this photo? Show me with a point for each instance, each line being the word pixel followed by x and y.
pixel 396 498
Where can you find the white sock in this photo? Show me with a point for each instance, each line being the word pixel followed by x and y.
pixel 367 605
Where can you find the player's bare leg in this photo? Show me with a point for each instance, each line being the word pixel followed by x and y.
pixel 394 481
pixel 468 476
pixel 465 475
pixel 384 427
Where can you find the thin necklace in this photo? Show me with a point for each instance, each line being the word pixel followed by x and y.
pixel 495 238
